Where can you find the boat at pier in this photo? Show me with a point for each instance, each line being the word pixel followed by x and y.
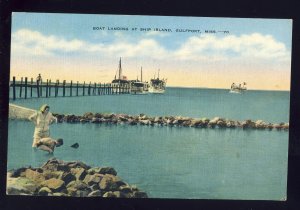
pixel 157 85
pixel 238 88
pixel 138 87
pixel 121 78
pixel 120 83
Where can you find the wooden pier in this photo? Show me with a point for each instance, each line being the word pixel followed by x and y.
pixel 38 89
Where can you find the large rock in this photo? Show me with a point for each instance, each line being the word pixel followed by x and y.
pixel 44 191
pixel 78 164
pixel 95 193
pixel 108 170
pixel 21 186
pixel 93 179
pixel 48 174
pixel 55 185
pixel 109 183
pixel 79 173
pixel 33 175
pixel 17 172
pixel 67 177
pixel 88 115
pixel 78 185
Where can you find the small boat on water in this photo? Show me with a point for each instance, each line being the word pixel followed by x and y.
pixel 238 88
pixel 138 87
pixel 157 85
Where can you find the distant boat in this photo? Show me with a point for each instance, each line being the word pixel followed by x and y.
pixel 157 85
pixel 138 87
pixel 238 88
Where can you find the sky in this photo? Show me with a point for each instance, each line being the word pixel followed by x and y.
pixel 187 51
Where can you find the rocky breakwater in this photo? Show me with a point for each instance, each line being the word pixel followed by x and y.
pixel 59 178
pixel 176 121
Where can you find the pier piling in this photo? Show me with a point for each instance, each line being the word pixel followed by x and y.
pixel 25 87
pixel 71 88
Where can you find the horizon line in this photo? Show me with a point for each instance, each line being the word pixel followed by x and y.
pixel 226 88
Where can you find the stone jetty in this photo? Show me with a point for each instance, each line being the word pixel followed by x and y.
pixel 18 112
pixel 75 178
pixel 174 121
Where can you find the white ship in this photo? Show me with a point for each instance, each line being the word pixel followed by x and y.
pixel 238 88
pixel 138 87
pixel 157 85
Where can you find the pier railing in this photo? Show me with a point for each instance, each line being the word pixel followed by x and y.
pixel 37 89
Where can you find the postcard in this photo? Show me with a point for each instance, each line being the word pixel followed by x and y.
pixel 131 106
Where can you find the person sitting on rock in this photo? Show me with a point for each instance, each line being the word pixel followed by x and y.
pixel 48 144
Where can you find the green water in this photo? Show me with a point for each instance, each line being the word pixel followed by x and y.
pixel 172 162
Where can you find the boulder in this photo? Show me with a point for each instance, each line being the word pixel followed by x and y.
pixel 286 126
pixel 248 124
pixel 59 194
pixel 88 115
pixel 48 174
pixel 33 175
pixel 95 193
pixel 107 170
pixel 109 182
pixel 221 123
pixel 186 123
pixel 98 115
pixel 94 187
pixel 277 126
pixel 259 124
pixel 78 185
pixel 78 164
pixel 17 172
pixel 79 173
pixel 21 186
pixel 109 194
pixel 17 190
pixel 144 122
pixel 125 189
pixel 55 185
pixel 82 120
pixel 81 193
pixel 230 124
pixel 71 191
pixel 44 191
pixel 96 120
pixel 93 179
pixel 67 177
pixel 71 118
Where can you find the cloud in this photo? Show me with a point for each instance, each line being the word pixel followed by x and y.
pixel 25 41
pixel 34 42
pixel 245 46
pixel 210 48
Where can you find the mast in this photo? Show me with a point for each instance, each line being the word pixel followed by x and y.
pixel 120 69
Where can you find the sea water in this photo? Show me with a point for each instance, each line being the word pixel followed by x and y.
pixel 172 162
